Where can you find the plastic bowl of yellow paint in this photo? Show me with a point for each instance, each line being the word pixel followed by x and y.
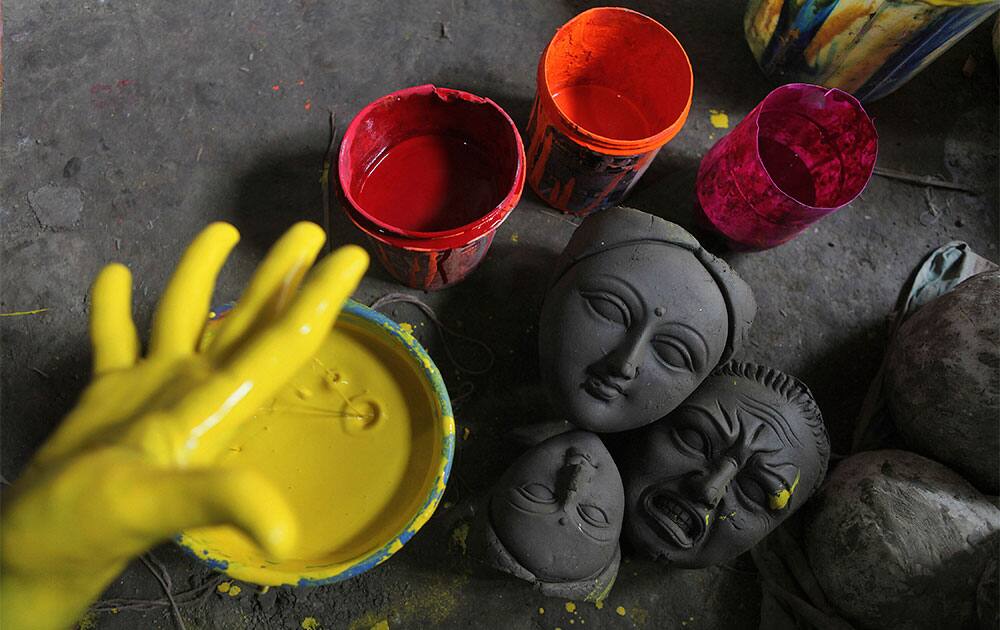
pixel 361 440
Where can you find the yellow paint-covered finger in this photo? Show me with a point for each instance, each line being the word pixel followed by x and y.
pixel 273 285
pixel 282 348
pixel 183 309
pixel 112 331
pixel 158 504
pixel 257 369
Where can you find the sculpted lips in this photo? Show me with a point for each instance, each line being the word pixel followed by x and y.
pixel 681 524
pixel 602 389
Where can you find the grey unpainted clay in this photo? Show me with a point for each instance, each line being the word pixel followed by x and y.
pixel 555 517
pixel 898 541
pixel 943 380
pixel 730 464
pixel 637 316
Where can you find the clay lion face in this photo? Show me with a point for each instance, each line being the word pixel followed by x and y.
pixel 637 317
pixel 558 509
pixel 718 474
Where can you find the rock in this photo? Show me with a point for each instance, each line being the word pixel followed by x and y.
pixel 943 380
pixel 898 541
pixel 56 206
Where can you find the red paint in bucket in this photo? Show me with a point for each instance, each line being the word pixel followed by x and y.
pixel 429 174
pixel 804 152
pixel 613 87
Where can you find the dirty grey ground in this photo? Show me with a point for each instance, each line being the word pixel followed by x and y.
pixel 127 126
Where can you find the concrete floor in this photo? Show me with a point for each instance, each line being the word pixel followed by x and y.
pixel 127 126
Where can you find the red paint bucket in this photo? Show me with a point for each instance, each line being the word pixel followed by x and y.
pixel 429 174
pixel 804 152
pixel 613 87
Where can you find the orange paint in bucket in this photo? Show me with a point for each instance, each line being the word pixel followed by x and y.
pixel 614 86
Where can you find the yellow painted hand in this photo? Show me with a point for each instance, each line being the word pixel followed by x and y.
pixel 134 462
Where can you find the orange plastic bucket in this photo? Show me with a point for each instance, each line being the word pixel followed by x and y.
pixel 614 86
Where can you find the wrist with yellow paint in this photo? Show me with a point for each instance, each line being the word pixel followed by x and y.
pixel 136 461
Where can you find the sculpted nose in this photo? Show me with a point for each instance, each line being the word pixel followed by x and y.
pixel 711 486
pixel 624 361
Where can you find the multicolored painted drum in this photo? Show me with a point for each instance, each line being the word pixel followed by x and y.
pixel 866 47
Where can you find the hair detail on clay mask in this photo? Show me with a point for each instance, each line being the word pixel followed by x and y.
pixel 798 397
pixel 739 299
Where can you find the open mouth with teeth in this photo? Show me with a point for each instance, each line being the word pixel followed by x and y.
pixel 678 520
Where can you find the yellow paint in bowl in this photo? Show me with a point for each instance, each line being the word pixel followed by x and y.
pixel 360 440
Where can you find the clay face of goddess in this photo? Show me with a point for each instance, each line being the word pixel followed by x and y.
pixel 718 474
pixel 630 329
pixel 558 509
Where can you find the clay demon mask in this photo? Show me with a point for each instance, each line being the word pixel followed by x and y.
pixel 714 477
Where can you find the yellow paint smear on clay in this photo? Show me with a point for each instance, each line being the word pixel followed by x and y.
pixel 779 500
pixel 356 457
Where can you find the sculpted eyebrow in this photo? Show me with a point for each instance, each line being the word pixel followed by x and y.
pixel 771 416
pixel 601 281
pixel 716 421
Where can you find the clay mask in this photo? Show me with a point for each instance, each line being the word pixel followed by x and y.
pixel 637 316
pixel 714 477
pixel 556 515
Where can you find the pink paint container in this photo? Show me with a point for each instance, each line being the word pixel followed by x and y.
pixel 428 174
pixel 805 151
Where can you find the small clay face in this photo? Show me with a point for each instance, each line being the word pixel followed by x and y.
pixel 714 477
pixel 558 509
pixel 632 326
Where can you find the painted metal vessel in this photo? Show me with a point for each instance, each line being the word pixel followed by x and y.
pixel 866 47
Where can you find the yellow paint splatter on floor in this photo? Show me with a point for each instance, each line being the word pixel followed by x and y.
pixel 639 616
pixel 407 327
pixel 621 611
pixel 234 590
pixel 310 623
pixel 460 535
pixel 570 607
pixel 382 625
pixel 718 118
pixel 541 611
pixel 514 237
pixel 599 604
pixel 224 587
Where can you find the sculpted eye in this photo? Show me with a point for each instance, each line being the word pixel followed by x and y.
pixel 593 515
pixel 692 440
pixel 753 491
pixel 538 493
pixel 609 307
pixel 673 353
